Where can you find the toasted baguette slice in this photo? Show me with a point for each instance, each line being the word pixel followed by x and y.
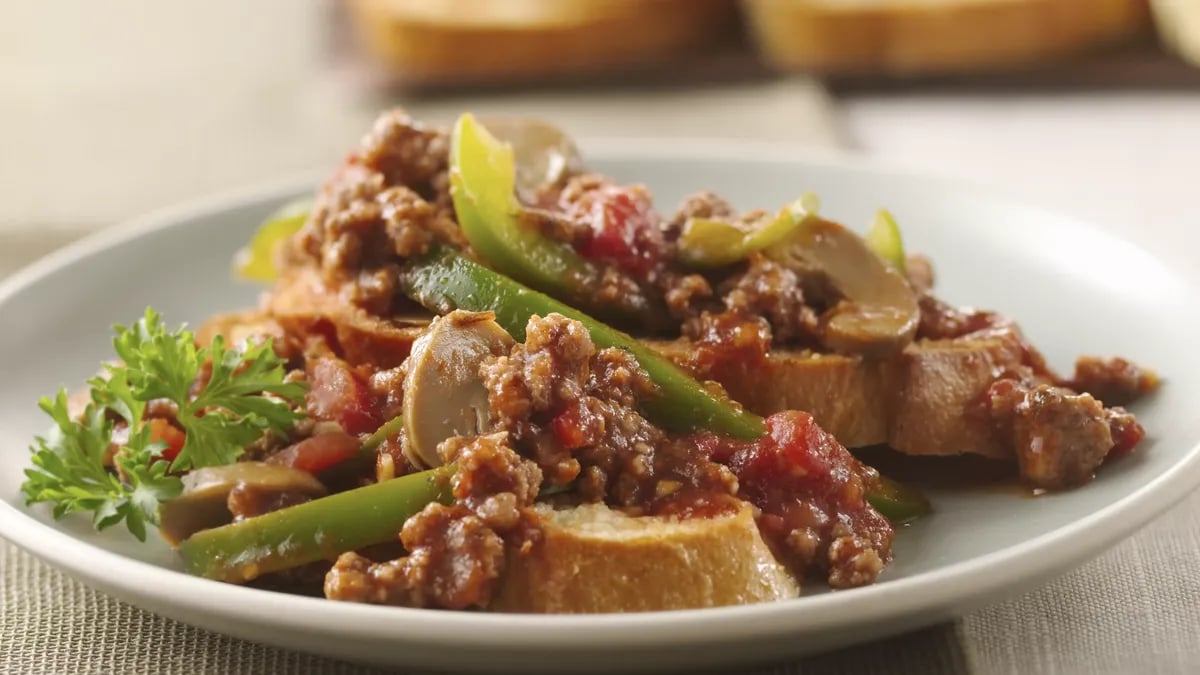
pixel 303 305
pixel 912 37
pixel 455 41
pixel 1179 27
pixel 237 327
pixel 919 402
pixel 593 559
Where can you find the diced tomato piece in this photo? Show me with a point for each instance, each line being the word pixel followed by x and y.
pixel 575 427
pixel 162 430
pixel 318 453
pixel 337 394
pixel 624 228
pixel 807 447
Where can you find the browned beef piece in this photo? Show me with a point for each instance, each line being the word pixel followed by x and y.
pixel 574 410
pixel 1060 437
pixel 942 321
pixel 387 202
pixel 411 154
pixel 456 552
pixel 456 559
pixel 1113 380
pixel 770 290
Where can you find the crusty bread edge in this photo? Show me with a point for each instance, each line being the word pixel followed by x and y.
pixel 909 38
pixel 665 564
pixel 596 35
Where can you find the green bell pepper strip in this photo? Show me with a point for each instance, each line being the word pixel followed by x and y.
pixel 884 239
pixel 483 187
pixel 317 530
pixel 390 428
pixel 897 502
pixel 256 262
pixel 445 280
pixel 707 243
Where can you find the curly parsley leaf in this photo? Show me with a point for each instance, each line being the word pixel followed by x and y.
pixel 107 462
pixel 69 470
pixel 244 396
pixel 232 411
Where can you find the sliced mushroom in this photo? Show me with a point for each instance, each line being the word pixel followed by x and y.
pixel 878 314
pixel 544 154
pixel 202 504
pixel 444 395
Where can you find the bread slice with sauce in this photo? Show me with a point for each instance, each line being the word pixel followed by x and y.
pixel 592 559
pixel 919 402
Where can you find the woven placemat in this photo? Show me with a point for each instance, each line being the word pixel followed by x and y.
pixel 1134 610
pixel 51 624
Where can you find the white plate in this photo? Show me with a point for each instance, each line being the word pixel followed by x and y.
pixel 1076 290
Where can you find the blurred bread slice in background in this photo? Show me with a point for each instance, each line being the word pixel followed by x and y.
pixel 475 41
pixel 925 37
pixel 1179 26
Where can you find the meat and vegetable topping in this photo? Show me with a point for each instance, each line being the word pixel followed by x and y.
pixel 437 406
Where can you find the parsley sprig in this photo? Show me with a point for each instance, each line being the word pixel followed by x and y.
pixel 245 396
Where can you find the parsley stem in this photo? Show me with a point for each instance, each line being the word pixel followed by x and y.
pixel 390 428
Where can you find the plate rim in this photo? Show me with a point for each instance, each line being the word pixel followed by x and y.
pixel 966 582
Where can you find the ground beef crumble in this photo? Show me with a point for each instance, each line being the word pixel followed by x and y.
pixel 389 201
pixel 456 552
pixel 1113 380
pixel 1060 437
pixel 943 321
pixel 756 288
pixel 811 494
pixel 573 409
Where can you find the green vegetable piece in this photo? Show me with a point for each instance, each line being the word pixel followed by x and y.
pixel 230 412
pixel 884 239
pixel 390 428
pixel 897 502
pixel 482 185
pixel 318 530
pixel 69 472
pixel 445 280
pixel 256 262
pixel 707 242
pixel 70 468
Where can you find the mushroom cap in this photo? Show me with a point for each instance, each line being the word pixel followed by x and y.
pixel 878 314
pixel 444 393
pixel 543 153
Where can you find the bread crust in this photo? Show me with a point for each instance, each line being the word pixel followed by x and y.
pixel 920 402
pixel 466 41
pixel 592 559
pixel 912 37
